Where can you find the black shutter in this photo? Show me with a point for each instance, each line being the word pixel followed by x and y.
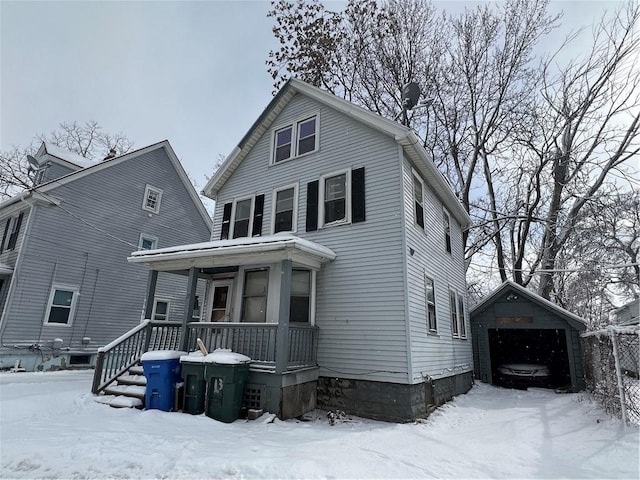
pixel 357 195
pixel 226 221
pixel 13 239
pixel 6 232
pixel 312 206
pixel 257 216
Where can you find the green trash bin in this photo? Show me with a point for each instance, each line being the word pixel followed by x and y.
pixel 195 384
pixel 226 374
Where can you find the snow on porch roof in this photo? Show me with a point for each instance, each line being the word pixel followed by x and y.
pixel 239 251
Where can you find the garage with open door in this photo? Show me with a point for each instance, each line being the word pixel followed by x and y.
pixel 520 340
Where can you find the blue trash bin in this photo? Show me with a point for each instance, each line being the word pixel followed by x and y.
pixel 162 370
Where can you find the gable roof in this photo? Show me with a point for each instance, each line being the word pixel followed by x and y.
pixel 574 320
pixel 96 167
pixel 407 138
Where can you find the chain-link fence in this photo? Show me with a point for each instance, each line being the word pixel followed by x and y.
pixel 612 368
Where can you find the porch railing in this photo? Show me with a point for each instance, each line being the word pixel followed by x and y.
pixel 117 357
pixel 255 340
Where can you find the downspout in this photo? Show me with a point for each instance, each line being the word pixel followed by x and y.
pixel 405 266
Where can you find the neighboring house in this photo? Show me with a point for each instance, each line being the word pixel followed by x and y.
pixel 336 263
pixel 66 287
pixel 628 314
pixel 513 325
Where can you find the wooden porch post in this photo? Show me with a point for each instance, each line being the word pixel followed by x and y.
pixel 282 333
pixel 188 307
pixel 151 293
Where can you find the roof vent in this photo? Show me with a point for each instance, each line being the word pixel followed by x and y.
pixel 111 154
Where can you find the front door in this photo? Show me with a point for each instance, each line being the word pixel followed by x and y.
pixel 220 302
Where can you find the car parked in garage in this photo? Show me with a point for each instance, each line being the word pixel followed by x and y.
pixel 524 375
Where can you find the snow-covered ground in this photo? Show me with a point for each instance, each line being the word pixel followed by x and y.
pixel 50 427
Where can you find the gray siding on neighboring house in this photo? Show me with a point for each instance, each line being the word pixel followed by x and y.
pixel 360 296
pixel 85 242
pixel 10 257
pixel 53 171
pixel 434 355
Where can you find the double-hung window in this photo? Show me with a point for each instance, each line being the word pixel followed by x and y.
pixel 285 206
pixel 299 306
pixel 418 201
pixel 335 198
pixel 152 198
pixel 430 299
pixel 296 139
pixel 254 296
pixel 61 305
pixel 242 218
pixel 446 219
pixel 11 232
pixel 456 305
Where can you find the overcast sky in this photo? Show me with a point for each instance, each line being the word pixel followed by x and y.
pixel 190 72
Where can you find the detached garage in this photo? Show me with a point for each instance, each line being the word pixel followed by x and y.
pixel 514 326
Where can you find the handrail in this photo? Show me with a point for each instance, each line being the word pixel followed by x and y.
pixel 256 340
pixel 121 354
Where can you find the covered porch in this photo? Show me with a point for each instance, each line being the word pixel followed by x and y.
pixel 259 301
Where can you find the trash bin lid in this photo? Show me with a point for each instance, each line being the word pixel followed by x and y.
pixel 226 357
pixel 162 355
pixel 193 357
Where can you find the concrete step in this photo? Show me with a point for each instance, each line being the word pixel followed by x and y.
pixel 136 391
pixel 136 370
pixel 119 401
pixel 128 379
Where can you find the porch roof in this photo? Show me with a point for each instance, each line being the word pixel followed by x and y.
pixel 239 251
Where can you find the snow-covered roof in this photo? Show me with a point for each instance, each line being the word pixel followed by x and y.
pixel 573 319
pixel 406 137
pixel 239 251
pixel 62 154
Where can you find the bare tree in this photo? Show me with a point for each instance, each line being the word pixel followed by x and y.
pixel 87 140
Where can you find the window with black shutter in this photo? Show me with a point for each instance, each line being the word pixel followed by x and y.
pixel 256 231
pixel 226 221
pixel 357 196
pixel 13 238
pixel 312 206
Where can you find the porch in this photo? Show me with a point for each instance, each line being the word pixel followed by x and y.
pixel 282 343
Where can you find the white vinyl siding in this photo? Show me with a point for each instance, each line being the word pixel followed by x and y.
pixel 361 293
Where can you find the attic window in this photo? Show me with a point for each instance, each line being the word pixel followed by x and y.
pixel 296 139
pixel 152 198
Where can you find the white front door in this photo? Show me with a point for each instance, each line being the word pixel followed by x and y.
pixel 220 302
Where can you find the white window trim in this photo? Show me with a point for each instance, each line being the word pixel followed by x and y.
pixel 147 189
pixel 460 320
pixel 426 303
pixel 3 222
pixel 294 138
pixel 447 215
pixel 321 188
pixel 228 307
pixel 294 220
pixel 232 225
pixel 155 303
pixel 415 174
pixel 152 238
pixel 72 308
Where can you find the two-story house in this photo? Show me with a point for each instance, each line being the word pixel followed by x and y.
pixel 66 287
pixel 336 264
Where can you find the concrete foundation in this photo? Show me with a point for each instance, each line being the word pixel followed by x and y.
pixel 390 402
